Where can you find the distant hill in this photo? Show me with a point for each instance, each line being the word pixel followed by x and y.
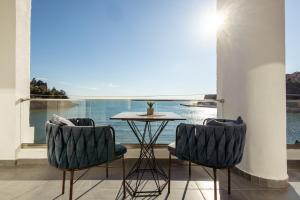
pixel 39 89
pixel 293 85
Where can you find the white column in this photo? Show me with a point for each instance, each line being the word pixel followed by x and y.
pixel 14 74
pixel 251 79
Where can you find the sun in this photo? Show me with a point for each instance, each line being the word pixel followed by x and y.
pixel 214 22
pixel 219 21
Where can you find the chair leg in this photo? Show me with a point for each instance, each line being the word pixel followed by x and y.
pixel 106 168
pixel 169 175
pixel 71 184
pixel 229 182
pixel 215 183
pixel 190 170
pixel 123 165
pixel 63 182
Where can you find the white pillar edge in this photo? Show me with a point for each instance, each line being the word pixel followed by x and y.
pixel 251 80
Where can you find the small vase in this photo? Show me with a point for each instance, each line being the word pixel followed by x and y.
pixel 150 111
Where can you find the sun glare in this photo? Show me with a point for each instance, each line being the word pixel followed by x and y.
pixel 214 22
pixel 219 21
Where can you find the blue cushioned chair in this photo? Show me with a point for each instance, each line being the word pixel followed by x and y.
pixel 72 148
pixel 218 144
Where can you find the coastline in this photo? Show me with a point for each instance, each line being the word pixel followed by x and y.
pixel 293 105
pixel 42 105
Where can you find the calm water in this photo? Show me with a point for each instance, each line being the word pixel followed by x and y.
pixel 102 110
pixel 293 127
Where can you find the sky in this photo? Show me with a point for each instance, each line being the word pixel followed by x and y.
pixel 133 47
pixel 292 35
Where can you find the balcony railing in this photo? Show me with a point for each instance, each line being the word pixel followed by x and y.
pixel 35 112
pixel 100 110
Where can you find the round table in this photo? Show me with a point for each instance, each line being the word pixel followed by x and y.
pixel 136 183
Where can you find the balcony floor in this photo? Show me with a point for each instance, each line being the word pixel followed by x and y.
pixel 40 181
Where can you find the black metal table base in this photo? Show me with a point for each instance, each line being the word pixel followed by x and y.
pixel 146 169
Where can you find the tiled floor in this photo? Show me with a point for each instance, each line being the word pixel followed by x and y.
pixel 42 182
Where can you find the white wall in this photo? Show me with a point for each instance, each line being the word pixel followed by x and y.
pixel 293 154
pixel 7 79
pixel 251 79
pixel 14 74
pixel 25 134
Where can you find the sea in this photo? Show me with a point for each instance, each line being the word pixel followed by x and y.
pixel 102 110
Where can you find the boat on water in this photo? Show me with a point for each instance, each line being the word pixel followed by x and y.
pixel 208 102
pixel 202 103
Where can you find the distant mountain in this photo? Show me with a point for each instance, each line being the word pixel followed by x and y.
pixel 293 85
pixel 39 89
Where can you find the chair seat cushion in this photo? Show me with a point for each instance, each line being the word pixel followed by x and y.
pixel 61 121
pixel 120 150
pixel 224 122
pixel 172 148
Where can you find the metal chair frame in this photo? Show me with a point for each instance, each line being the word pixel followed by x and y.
pixel 72 171
pixel 214 171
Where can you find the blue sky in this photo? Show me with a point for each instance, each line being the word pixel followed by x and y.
pixel 292 35
pixel 132 47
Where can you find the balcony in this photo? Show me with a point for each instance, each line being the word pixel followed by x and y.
pixel 35 179
pixel 250 68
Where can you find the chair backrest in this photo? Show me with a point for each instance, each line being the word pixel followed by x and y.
pixel 209 145
pixel 79 147
pixel 82 121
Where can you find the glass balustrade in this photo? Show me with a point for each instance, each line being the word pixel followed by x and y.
pixel 100 110
pixel 36 112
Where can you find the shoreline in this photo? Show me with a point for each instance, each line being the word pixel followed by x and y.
pixel 40 105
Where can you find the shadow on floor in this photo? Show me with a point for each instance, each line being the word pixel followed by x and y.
pixel 201 181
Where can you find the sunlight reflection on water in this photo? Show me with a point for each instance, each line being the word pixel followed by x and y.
pixel 101 111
